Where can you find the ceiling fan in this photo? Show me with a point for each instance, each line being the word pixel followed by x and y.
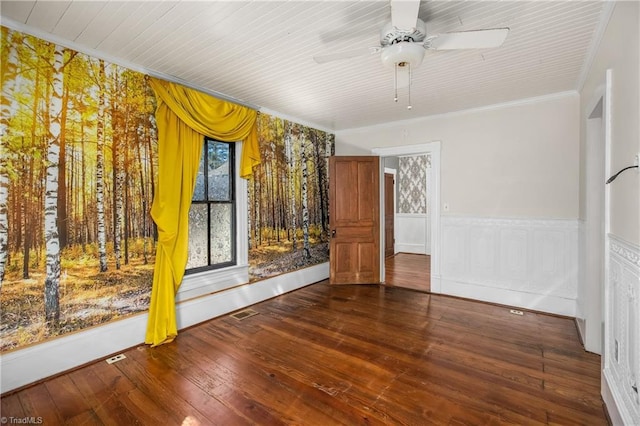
pixel 404 41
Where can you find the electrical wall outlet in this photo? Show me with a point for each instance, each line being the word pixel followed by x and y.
pixel 636 161
pixel 116 358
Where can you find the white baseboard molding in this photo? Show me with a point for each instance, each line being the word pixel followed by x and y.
pixel 610 399
pixel 411 248
pixel 537 302
pixel 31 364
pixel 580 325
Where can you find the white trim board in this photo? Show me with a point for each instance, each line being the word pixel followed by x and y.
pixel 25 366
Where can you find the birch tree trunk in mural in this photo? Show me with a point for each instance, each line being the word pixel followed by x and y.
pixel 127 215
pixel 305 198
pixel 102 237
pixel 118 170
pixel 30 193
pixel 143 193
pixel 292 188
pixel 52 243
pixel 62 171
pixel 9 74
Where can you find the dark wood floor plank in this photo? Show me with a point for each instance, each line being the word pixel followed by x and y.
pixel 101 397
pixel 344 355
pixel 146 409
pixel 10 406
pixel 150 378
pixel 37 402
pixel 264 368
pixel 408 271
pixel 68 399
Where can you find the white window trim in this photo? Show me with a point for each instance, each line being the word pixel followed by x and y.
pixel 211 281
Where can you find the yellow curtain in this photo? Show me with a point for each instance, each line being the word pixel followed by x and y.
pixel 184 116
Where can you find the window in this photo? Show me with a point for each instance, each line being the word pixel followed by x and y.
pixel 212 216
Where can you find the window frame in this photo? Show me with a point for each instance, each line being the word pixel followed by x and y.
pixel 233 201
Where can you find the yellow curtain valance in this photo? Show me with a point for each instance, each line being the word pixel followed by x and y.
pixel 213 117
pixel 183 117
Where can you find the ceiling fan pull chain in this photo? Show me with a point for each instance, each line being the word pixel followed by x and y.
pixel 409 106
pixel 395 82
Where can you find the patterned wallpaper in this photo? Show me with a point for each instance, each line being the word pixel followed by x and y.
pixel 412 188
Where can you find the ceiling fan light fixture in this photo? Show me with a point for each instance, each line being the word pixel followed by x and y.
pixel 403 52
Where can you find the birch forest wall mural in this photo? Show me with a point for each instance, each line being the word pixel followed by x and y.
pixel 77 153
pixel 78 157
pixel 288 198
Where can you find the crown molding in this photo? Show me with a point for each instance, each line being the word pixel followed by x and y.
pixel 603 22
pixel 492 107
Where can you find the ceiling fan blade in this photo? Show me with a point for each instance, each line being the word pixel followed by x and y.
pixel 347 54
pixel 478 39
pixel 404 13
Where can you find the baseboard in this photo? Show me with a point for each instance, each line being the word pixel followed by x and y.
pixel 34 363
pixel 580 326
pixel 410 248
pixel 533 301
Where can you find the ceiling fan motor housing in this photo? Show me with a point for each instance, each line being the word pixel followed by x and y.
pixel 392 35
pixel 403 54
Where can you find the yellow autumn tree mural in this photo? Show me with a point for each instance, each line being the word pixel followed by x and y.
pixel 77 152
pixel 78 161
pixel 289 198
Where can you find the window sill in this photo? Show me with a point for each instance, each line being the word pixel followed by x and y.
pixel 207 282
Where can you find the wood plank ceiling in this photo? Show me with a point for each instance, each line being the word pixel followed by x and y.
pixel 261 52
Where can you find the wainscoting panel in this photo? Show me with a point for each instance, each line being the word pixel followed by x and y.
pixel 622 337
pixel 412 233
pixel 530 263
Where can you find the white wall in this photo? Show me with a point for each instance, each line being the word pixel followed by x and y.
pixel 518 160
pixel 509 174
pixel 619 51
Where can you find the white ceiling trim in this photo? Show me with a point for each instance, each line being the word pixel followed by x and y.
pixel 510 104
pixel 603 22
pixel 52 38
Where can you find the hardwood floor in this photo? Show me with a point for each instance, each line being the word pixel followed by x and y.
pixel 408 271
pixel 326 355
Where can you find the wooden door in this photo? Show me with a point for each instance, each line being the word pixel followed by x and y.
pixel 389 212
pixel 354 216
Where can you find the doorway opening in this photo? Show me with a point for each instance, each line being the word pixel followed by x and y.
pixel 415 260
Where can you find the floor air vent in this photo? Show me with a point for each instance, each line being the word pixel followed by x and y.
pixel 240 315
